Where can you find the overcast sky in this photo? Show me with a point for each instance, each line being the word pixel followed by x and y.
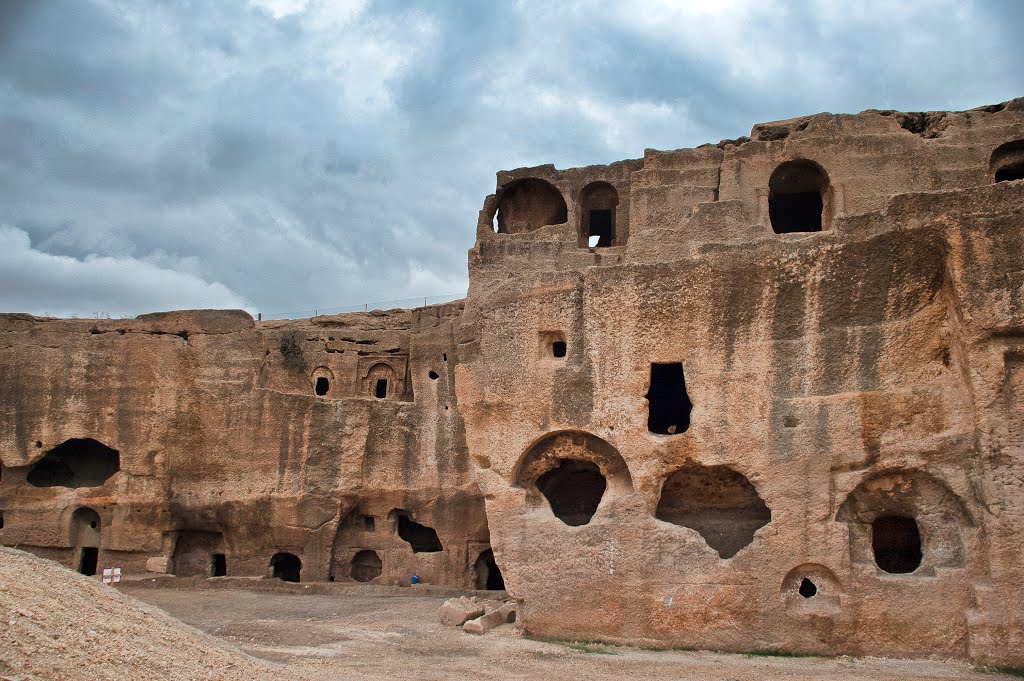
pixel 282 155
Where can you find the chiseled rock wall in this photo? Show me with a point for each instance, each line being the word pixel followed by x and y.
pixel 225 448
pixel 867 372
pixel 840 473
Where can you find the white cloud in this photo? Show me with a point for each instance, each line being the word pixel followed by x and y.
pixel 34 281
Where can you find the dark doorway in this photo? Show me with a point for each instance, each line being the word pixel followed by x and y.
pixel 488 575
pixel 1010 173
pixel 574 490
pixel 669 405
pixel 896 543
pixel 808 589
pixel 796 197
pixel 421 538
pixel 219 565
pixel 380 388
pixel 286 566
pixel 88 561
pixel 558 349
pixel 601 225
pixel 366 566
pixel 323 384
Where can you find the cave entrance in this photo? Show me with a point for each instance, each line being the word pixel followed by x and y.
pixel 421 538
pixel 896 543
pixel 669 405
pixel 487 573
pixel 88 560
pixel 1007 162
pixel 218 565
pixel 286 566
pixel 574 490
pixel 79 462
pixel 380 388
pixel 796 197
pixel 717 502
pixel 323 384
pixel 366 566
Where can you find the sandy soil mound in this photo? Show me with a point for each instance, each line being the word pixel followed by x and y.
pixel 58 624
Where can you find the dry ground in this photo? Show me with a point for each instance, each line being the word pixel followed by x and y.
pixel 333 631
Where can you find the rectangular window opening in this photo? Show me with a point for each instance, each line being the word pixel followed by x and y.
pixel 380 390
pixel 219 565
pixel 602 226
pixel 669 404
pixel 89 560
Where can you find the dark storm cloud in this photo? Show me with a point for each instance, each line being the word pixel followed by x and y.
pixel 285 154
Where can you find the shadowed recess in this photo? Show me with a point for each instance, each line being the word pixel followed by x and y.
pixel 286 566
pixel 669 406
pixel 574 490
pixel 796 197
pixel 421 538
pixel 366 566
pixel 717 502
pixel 75 463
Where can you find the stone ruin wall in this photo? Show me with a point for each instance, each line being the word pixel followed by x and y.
pixel 823 404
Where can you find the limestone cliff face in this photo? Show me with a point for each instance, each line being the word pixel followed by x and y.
pixel 842 390
pixel 764 394
pixel 226 448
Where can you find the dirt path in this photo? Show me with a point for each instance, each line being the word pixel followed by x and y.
pixel 366 634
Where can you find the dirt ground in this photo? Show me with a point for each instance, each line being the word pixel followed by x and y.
pixel 330 632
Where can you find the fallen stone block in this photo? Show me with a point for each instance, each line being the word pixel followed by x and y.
pixel 455 611
pixel 495 618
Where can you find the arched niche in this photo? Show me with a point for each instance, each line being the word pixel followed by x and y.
pixel 323 380
pixel 905 522
pixel 529 204
pixel 572 472
pixel 1007 162
pixel 598 207
pixel 381 381
pixel 799 198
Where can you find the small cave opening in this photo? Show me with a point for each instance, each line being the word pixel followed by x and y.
pixel 1007 162
pixel 808 589
pixel 1 520
pixel 366 566
pixel 369 523
pixel 574 490
pixel 421 538
pixel 286 566
pixel 380 388
pixel 79 462
pixel 528 204
pixel 896 544
pixel 796 197
pixel 323 385
pixel 1010 173
pixel 487 574
pixel 717 502
pixel 88 560
pixel 558 349
pixel 433 375
pixel 668 402
pixel 218 565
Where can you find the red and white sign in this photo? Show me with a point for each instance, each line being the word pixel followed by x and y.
pixel 112 575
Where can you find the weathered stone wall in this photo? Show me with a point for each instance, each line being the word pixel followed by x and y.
pixel 698 432
pixel 865 371
pixel 225 444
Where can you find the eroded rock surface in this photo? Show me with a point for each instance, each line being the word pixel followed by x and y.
pixel 759 395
